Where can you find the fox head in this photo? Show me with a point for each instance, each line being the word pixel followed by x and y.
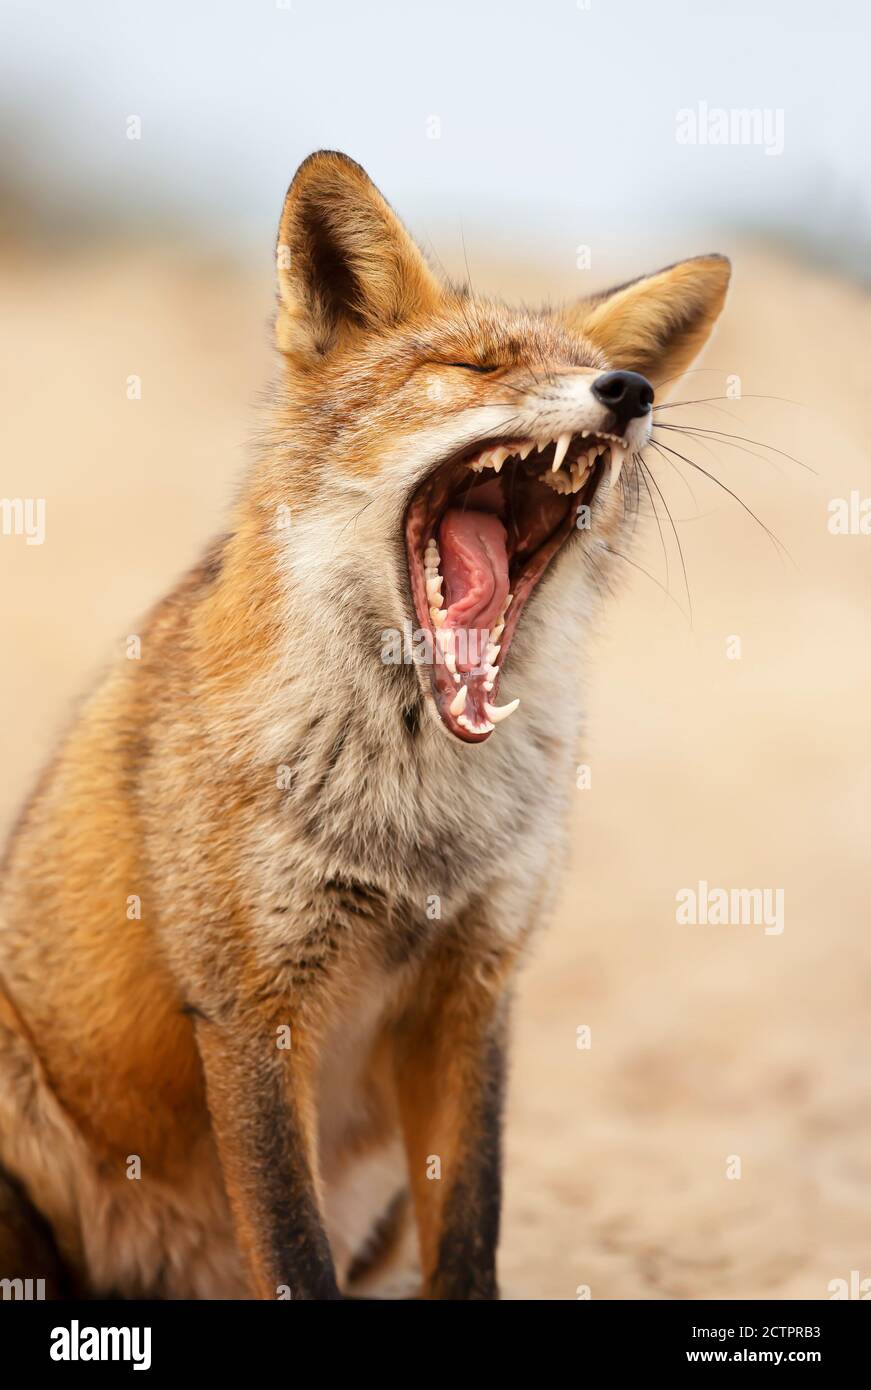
pixel 453 466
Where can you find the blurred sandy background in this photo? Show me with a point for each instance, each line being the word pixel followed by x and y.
pixel 706 1041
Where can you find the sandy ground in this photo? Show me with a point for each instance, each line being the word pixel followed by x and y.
pixel 707 1042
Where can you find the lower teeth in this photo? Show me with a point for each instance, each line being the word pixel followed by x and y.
pixel 466 723
pixel 444 642
pixel 571 482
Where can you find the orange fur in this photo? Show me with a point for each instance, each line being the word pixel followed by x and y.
pixel 300 901
pixel 657 325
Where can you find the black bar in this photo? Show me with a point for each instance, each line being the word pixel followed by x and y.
pixel 224 1339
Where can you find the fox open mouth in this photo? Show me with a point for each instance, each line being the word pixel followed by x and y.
pixel 480 532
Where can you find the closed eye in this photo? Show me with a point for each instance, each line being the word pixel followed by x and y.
pixel 473 366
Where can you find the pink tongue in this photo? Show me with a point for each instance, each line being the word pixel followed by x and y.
pixel 474 562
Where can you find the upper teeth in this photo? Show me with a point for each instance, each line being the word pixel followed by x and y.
pixel 560 451
pixel 560 478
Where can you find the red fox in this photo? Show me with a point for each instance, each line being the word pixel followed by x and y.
pixel 261 919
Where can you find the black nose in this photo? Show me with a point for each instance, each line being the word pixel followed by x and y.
pixel 626 394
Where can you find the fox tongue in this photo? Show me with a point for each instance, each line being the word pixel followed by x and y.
pixel 474 562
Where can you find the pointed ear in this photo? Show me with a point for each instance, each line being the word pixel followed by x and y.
pixel 345 262
pixel 657 325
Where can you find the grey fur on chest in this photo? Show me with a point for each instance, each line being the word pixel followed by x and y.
pixel 414 815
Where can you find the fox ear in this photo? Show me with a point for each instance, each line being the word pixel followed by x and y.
pixel 658 324
pixel 345 262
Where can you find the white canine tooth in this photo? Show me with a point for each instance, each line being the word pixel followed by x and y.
pixel 617 456
pixel 458 704
pixel 495 713
pixel 562 445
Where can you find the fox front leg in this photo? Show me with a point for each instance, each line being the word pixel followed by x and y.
pixel 450 1068
pixel 261 1107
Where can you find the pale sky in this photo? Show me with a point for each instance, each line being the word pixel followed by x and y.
pixel 554 120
